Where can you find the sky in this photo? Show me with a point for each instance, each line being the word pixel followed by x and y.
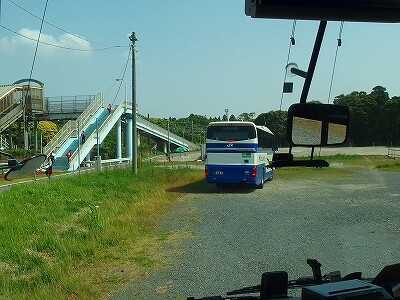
pixel 199 57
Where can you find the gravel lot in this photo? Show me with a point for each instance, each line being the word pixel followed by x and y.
pixel 236 234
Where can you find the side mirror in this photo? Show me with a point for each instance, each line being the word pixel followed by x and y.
pixel 314 125
pixel 25 167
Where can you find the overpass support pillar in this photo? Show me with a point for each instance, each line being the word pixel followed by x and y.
pixel 128 138
pixel 118 141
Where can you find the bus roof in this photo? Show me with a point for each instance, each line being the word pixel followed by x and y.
pixel 231 123
pixel 241 123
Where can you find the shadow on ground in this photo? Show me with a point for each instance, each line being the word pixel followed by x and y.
pixel 202 187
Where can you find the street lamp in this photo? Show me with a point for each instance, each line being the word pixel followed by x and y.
pixel 123 80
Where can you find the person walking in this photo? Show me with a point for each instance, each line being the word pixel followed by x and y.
pixel 109 108
pixel 68 155
pixel 52 156
pixel 49 166
pixel 83 137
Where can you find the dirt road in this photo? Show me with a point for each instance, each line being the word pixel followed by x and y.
pixel 348 224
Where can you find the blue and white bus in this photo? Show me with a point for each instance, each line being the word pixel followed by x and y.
pixel 238 152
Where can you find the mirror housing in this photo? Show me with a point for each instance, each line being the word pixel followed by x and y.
pixel 25 167
pixel 385 11
pixel 313 125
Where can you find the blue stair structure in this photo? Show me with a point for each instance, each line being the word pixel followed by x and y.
pixel 97 122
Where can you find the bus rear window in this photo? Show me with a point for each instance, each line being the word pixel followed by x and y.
pixel 231 133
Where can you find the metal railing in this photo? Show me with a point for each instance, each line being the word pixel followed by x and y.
pixel 70 129
pixel 60 137
pixel 5 90
pixel 88 144
pixel 85 117
pixel 3 142
pixel 69 104
pixel 11 117
pixel 393 153
pixel 162 131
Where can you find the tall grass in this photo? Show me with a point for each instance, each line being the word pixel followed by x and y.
pixel 341 166
pixel 77 237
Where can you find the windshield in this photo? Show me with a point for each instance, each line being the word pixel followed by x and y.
pixel 190 175
pixel 231 133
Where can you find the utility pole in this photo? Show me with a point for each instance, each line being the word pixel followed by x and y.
pixel 25 118
pixel 169 142
pixel 133 39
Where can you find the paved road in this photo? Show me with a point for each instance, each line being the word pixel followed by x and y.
pixel 347 224
pixel 326 151
pixel 297 152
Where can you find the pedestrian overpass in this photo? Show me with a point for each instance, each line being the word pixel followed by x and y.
pixel 22 101
pixel 97 122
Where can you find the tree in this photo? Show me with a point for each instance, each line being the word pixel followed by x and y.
pixel 47 130
pixel 373 117
pixel 314 102
pixel 276 122
pixel 247 116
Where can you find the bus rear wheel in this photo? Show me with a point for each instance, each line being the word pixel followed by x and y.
pixel 260 185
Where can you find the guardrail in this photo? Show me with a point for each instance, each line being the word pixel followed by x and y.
pixel 393 153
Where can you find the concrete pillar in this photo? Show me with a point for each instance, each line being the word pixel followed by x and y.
pixel 118 141
pixel 165 147
pixel 128 138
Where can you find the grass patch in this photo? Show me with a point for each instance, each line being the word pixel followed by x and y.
pixel 341 166
pixel 80 237
pixel 303 172
pixel 392 166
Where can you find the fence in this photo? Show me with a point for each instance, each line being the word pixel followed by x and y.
pixel 69 104
pixel 393 153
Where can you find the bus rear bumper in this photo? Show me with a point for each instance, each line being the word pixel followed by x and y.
pixel 238 174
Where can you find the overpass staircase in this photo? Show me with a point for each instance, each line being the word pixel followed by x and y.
pixel 11 108
pixel 97 122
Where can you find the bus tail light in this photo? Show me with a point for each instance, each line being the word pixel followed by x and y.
pixel 206 171
pixel 254 171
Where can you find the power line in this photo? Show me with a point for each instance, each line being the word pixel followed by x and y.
pixel 123 76
pixel 37 43
pixel 54 26
pixel 339 43
pixel 292 43
pixel 62 47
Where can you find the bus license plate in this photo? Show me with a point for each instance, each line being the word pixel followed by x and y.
pixel 219 172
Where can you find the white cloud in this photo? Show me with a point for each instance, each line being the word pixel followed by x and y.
pixel 49 44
